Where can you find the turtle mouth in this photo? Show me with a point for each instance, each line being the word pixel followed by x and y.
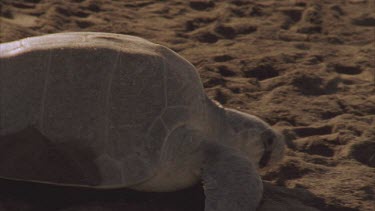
pixel 265 159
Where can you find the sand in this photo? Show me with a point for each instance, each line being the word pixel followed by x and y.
pixel 306 67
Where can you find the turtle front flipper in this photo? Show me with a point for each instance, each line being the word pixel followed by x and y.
pixel 230 181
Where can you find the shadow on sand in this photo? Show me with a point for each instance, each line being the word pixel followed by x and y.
pixel 25 196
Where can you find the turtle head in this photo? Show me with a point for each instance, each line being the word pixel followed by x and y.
pixel 262 144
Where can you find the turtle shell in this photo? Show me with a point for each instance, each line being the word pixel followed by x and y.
pixel 115 97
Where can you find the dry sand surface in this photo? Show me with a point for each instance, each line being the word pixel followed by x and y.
pixel 304 66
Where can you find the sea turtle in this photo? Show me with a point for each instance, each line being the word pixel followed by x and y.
pixel 135 111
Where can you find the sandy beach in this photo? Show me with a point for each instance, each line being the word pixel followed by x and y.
pixel 305 67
